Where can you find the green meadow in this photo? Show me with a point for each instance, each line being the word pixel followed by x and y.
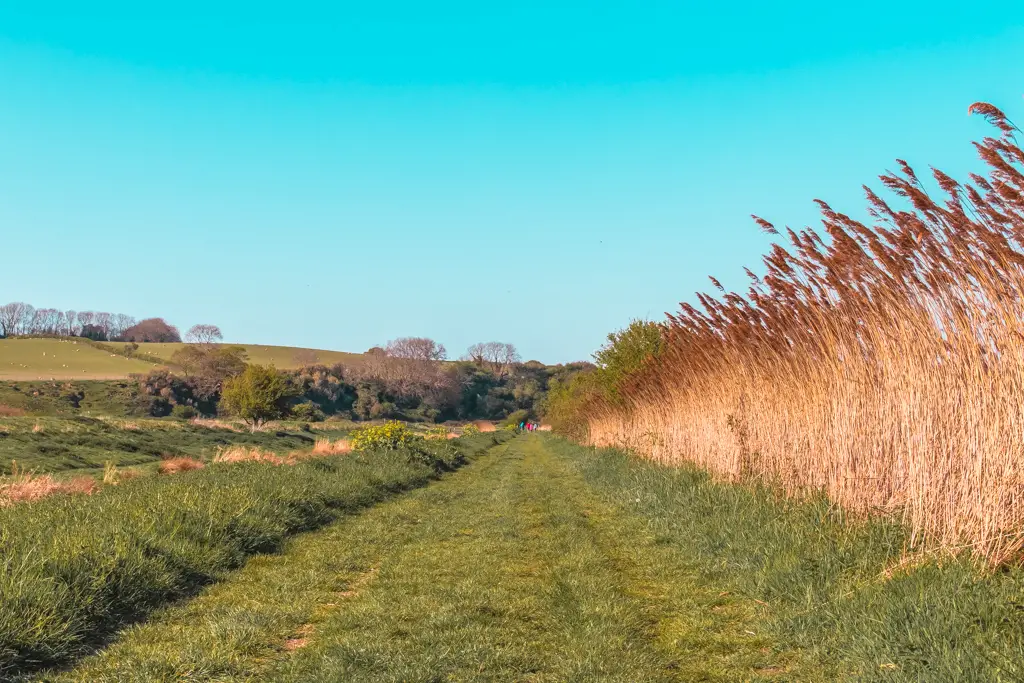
pixel 492 557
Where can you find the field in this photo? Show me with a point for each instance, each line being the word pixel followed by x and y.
pixel 49 359
pixel 530 559
pixel 281 357
pixel 59 359
pixel 85 445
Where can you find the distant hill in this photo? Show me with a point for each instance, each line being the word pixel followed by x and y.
pixel 34 359
pixel 281 357
pixel 64 359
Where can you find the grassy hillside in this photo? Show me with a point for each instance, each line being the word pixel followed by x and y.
pixel 84 445
pixel 70 397
pixel 48 359
pixel 64 359
pixel 282 357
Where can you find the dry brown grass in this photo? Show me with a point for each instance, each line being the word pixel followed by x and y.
pixel 301 638
pixel 217 424
pixel 322 447
pixel 10 411
pixel 239 453
pixel 328 447
pixel 113 475
pixel 485 426
pixel 884 365
pixel 180 464
pixel 28 487
pixel 37 428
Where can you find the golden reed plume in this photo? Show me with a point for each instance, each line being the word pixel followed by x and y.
pixel 883 365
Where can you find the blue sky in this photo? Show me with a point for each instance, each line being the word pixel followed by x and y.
pixel 335 176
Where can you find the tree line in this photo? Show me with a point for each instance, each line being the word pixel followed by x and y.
pixel 22 319
pixel 408 378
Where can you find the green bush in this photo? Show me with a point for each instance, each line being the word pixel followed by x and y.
pixel 385 437
pixel 516 417
pixel 184 412
pixel 75 569
pixel 258 395
pixel 470 430
pixel 309 412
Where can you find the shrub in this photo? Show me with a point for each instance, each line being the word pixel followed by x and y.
pixel 437 432
pixel 184 412
pixel 387 437
pixel 258 395
pixel 470 430
pixel 516 417
pixel 308 412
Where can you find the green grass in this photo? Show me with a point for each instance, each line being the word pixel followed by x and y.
pixel 78 397
pixel 84 444
pixel 509 570
pixel 46 359
pixel 546 561
pixel 835 588
pixel 75 569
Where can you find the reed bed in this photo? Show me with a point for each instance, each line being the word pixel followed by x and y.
pixel 883 365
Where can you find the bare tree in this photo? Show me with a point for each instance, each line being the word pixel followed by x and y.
pixel 44 321
pixel 507 358
pixel 416 348
pixel 476 353
pixel 102 321
pixel 409 364
pixel 25 325
pixel 12 316
pixel 203 334
pixel 499 357
pixel 119 324
pixel 70 326
pixel 84 318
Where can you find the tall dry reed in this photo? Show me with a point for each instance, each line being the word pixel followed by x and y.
pixel 883 364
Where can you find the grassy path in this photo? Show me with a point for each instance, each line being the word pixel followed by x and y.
pixel 511 569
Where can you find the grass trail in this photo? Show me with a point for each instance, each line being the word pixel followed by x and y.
pixel 509 570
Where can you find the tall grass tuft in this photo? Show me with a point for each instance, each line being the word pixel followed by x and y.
pixel 882 364
pixel 180 464
pixel 24 487
pixel 328 447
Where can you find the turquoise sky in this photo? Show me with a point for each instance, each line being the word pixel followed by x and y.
pixel 333 175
